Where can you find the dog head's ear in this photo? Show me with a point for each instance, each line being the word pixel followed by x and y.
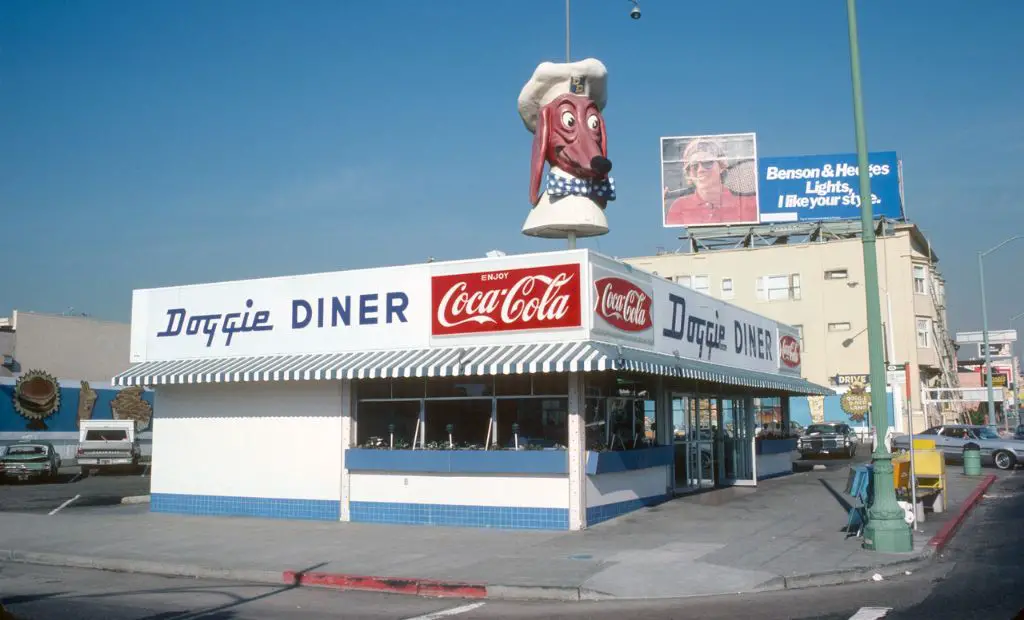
pixel 540 147
pixel 604 138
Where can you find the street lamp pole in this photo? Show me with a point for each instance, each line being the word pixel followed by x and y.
pixel 886 529
pixel 1013 379
pixel 984 326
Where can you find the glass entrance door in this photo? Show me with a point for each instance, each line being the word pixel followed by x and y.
pixel 737 431
pixel 693 439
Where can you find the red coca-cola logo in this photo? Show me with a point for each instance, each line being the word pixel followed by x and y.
pixel 507 300
pixel 789 351
pixel 623 305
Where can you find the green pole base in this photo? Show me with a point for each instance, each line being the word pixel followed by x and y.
pixel 888 536
pixel 886 531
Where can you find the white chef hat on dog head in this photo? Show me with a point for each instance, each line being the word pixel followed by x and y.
pixel 550 80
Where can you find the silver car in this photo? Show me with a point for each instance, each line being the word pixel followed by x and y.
pixel 950 439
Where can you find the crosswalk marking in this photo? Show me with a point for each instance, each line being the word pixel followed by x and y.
pixel 870 613
pixel 454 611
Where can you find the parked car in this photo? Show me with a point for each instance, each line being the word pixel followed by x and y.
pixel 828 438
pixel 950 439
pixel 107 444
pixel 1019 433
pixel 29 458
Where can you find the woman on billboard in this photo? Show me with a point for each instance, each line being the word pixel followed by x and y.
pixel 710 201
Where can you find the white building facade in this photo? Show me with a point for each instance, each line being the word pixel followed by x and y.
pixel 543 391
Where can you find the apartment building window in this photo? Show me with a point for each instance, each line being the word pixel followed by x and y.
pixel 800 335
pixel 778 288
pixel 697 283
pixel 727 292
pixel 843 326
pixel 924 332
pixel 836 274
pixel 920 279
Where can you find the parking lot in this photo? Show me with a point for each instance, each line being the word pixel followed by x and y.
pixel 71 491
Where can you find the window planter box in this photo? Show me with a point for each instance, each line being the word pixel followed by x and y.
pixel 539 462
pixel 774 446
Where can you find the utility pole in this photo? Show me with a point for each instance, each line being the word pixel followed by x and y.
pixel 886 529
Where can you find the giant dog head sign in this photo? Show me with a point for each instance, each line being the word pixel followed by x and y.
pixel 561 104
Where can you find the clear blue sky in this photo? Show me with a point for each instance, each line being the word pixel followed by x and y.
pixel 179 141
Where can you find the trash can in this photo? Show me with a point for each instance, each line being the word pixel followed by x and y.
pixel 972 459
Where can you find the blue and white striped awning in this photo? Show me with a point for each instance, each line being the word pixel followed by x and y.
pixel 578 356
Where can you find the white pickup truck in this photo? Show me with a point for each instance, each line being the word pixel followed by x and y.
pixel 108 444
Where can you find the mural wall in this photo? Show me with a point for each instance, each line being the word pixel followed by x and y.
pixel 804 411
pixel 36 402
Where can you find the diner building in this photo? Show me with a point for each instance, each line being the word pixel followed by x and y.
pixel 542 391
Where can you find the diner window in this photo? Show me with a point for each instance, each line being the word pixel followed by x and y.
pixel 460 387
pixel 778 287
pixel 727 292
pixel 620 412
pixel 836 274
pixel 463 421
pixel 540 422
pixel 843 326
pixel 924 332
pixel 378 419
pixel 769 419
pixel 920 279
pixel 538 404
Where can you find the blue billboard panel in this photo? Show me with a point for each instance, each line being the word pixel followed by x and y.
pixel 812 188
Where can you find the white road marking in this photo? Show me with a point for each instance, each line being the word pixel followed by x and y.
pixel 77 476
pixel 144 472
pixel 454 611
pixel 870 613
pixel 63 506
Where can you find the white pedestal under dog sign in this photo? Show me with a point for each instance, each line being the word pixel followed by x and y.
pixel 561 105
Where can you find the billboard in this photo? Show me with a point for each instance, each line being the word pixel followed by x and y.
pixel 709 180
pixel 813 188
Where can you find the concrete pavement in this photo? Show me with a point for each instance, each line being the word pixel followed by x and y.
pixel 787 533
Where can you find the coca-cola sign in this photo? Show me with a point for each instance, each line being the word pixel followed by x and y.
pixel 507 300
pixel 623 304
pixel 789 351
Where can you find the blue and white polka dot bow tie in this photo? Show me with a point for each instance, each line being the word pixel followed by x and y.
pixel 590 188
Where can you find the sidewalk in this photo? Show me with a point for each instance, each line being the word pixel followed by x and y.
pixel 786 533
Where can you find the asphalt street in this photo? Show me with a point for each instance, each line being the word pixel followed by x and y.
pixel 99 489
pixel 978 576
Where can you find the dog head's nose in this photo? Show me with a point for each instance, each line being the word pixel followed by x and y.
pixel 600 165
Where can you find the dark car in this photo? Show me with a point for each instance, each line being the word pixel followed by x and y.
pixel 828 439
pixel 1019 433
pixel 30 459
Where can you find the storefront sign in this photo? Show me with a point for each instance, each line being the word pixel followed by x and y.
pixel 851 379
pixel 622 304
pixel 321 313
pixel 696 326
pixel 545 297
pixel 622 301
pixel 789 351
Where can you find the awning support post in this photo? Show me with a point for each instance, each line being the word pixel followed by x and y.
pixel 577 453
pixel 348 439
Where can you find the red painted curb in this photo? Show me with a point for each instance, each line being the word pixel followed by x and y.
pixel 945 534
pixel 396 585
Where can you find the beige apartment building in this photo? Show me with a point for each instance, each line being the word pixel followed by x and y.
pixel 811 276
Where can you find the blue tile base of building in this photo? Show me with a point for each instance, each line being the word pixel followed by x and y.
pixel 500 517
pixel 598 514
pixel 222 505
pixel 460 516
